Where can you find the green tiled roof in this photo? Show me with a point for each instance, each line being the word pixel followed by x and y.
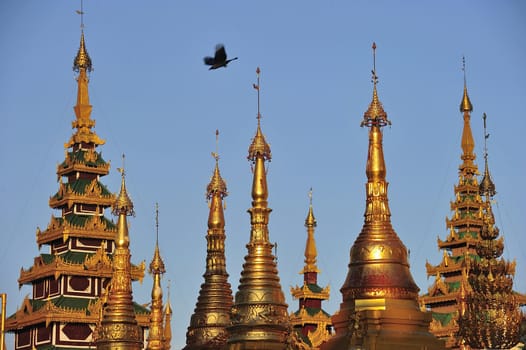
pixel 459 258
pixel 444 319
pixel 453 286
pixel 140 310
pixel 466 233
pixel 78 156
pixel 79 186
pixel 314 287
pixel 312 311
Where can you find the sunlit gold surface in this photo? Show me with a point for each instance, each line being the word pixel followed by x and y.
pixel 211 317
pixel 119 328
pixel 380 308
pixel 259 315
pixel 155 339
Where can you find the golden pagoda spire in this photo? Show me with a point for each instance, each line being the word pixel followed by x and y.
pixel 487 187
pixel 118 327
pixel 156 332
pixel 259 314
pixel 167 336
pixel 380 309
pixel 208 324
pixel 311 253
pixel 467 143
pixel 82 65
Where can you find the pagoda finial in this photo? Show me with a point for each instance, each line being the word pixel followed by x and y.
pixel 311 253
pixel 82 60
pixel 216 187
pixel 375 114
pixel 465 105
pixel 156 331
pixel 123 204
pixel 487 187
pixel 259 145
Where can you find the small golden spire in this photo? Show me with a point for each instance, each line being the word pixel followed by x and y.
pixel 465 104
pixel 156 331
pixel 487 187
pixel 118 328
pixel 167 337
pixel 311 253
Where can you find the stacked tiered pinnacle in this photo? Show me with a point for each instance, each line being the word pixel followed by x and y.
pixel 490 314
pixel 69 280
pixel 118 328
pixel 156 335
pixel 311 321
pixel 459 249
pixel 380 299
pixel 259 315
pixel 208 324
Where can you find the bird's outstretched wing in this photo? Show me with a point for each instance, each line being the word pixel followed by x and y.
pixel 220 55
pixel 209 60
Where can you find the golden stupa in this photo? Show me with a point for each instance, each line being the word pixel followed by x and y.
pixel 380 299
pixel 259 316
pixel 208 324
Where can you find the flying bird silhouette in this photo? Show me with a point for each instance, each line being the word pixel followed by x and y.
pixel 219 60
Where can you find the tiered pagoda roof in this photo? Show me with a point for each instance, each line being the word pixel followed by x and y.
pixel 459 252
pixel 69 280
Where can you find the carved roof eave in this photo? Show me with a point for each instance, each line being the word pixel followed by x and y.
pixel 303 318
pixel 451 267
pixel 464 222
pixel 49 313
pixel 444 331
pixel 304 292
pixel 71 198
pixel 63 230
pixel 467 242
pixel 103 169
pixel 90 267
pixel 430 300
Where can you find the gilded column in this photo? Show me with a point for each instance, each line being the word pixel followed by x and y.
pixel 118 328
pixel 259 314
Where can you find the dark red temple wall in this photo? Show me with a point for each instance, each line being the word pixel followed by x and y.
pixel 23 339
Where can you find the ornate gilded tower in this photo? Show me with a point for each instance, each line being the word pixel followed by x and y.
pixel 380 299
pixel 259 315
pixel 156 333
pixel 451 283
pixel 310 320
pixel 118 328
pixel 208 324
pixel 490 315
pixel 68 281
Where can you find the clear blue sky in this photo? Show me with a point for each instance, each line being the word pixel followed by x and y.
pixel 154 100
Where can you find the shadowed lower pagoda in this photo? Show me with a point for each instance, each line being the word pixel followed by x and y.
pixel 68 281
pixel 259 315
pixel 208 324
pixel 490 316
pixel 380 299
pixel 313 324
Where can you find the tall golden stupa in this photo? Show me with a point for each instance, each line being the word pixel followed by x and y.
pixel 70 281
pixel 208 324
pixel 259 316
pixel 380 299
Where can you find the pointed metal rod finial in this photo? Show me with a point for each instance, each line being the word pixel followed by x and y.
pixel 256 86
pixel 310 196
pixel 122 170
pixel 156 223
pixel 464 68
pixel 216 153
pixel 81 13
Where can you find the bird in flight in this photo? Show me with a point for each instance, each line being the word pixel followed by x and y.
pixel 219 60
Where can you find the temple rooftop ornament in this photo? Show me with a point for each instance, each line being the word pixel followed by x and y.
pixel 259 315
pixel 487 187
pixel 380 307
